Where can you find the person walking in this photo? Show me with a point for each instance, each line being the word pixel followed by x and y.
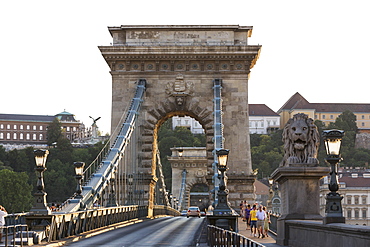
pixel 266 223
pixel 247 213
pixel 3 213
pixel 253 221
pixel 261 215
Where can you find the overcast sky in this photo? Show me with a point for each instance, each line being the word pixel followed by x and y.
pixel 50 61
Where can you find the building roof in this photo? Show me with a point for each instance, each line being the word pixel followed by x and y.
pixel 261 110
pixel 24 117
pixel 297 101
pixel 355 177
pixel 261 188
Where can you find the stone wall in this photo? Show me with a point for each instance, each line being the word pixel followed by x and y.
pixel 316 234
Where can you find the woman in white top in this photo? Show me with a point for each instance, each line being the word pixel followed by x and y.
pixel 3 213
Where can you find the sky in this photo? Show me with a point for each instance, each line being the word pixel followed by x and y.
pixel 50 61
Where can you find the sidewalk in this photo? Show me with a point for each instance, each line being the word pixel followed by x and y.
pixel 268 242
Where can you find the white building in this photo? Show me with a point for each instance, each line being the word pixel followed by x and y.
pixel 193 125
pixel 262 120
pixel 354 186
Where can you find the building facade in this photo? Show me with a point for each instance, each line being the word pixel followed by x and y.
pixel 262 120
pixel 325 112
pixel 20 130
pixel 188 122
pixel 354 186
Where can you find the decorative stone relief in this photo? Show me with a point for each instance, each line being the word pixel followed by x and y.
pixel 180 89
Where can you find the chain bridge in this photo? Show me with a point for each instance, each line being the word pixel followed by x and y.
pixel 159 72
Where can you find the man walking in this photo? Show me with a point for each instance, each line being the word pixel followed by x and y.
pixel 261 215
pixel 253 221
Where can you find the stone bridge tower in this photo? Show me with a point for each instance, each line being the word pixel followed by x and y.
pixel 180 64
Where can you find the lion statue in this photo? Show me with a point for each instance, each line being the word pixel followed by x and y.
pixel 301 142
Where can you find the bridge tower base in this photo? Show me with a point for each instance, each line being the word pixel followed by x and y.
pixel 300 194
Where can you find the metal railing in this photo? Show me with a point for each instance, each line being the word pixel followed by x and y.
pixel 217 236
pixel 69 224
pixel 16 231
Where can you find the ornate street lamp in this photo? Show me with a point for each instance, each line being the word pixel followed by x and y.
pixel 333 209
pixel 40 206
pixel 222 207
pixel 79 168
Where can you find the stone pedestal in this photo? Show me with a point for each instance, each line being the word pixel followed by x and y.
pixel 300 192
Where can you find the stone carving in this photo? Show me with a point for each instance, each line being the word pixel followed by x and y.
pixel 180 89
pixel 301 141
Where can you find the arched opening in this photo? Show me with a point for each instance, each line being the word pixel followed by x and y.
pixel 178 131
pixel 199 196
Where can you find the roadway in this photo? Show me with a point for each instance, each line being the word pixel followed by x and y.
pixel 167 231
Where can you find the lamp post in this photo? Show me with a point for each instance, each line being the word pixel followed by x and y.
pixel 271 192
pixel 333 208
pixel 40 206
pixel 79 168
pixel 222 207
pixel 112 195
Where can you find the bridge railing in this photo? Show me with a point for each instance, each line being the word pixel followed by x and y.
pixel 165 210
pixel 69 224
pixel 217 236
pixel 14 230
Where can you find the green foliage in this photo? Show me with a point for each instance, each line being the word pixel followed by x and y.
pixel 266 151
pixel 15 193
pixel 59 178
pixel 54 131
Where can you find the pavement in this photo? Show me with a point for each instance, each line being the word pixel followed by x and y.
pixel 269 241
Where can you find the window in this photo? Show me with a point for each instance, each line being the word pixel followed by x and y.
pixel 28 127
pixel 34 127
pixel 186 122
pixel 15 126
pixel 41 137
pixel 1 126
pixel 363 200
pixel 363 116
pixel 8 136
pixel 179 122
pixel 362 124
pixel 364 213
pixel 27 136
pixel 41 128
pixel 21 136
pixel 331 116
pixel 357 213
pixel 1 135
pixel 356 200
pixel 349 213
pixel 34 137
pixel 8 126
pixel 74 128
pixel 21 126
pixel 14 136
pixel 349 200
pixel 67 128
pixel 323 116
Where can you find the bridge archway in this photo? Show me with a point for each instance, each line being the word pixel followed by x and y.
pixel 180 64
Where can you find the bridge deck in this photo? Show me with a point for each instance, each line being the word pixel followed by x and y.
pixel 268 242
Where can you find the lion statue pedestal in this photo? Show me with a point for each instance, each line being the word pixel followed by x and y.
pixel 298 175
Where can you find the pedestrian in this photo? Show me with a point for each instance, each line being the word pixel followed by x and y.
pixel 266 223
pixel 241 209
pixel 253 221
pixel 247 213
pixel 3 213
pixel 260 221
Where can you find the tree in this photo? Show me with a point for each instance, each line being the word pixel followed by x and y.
pixel 15 193
pixel 54 131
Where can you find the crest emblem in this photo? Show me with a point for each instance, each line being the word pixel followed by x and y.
pixel 179 89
